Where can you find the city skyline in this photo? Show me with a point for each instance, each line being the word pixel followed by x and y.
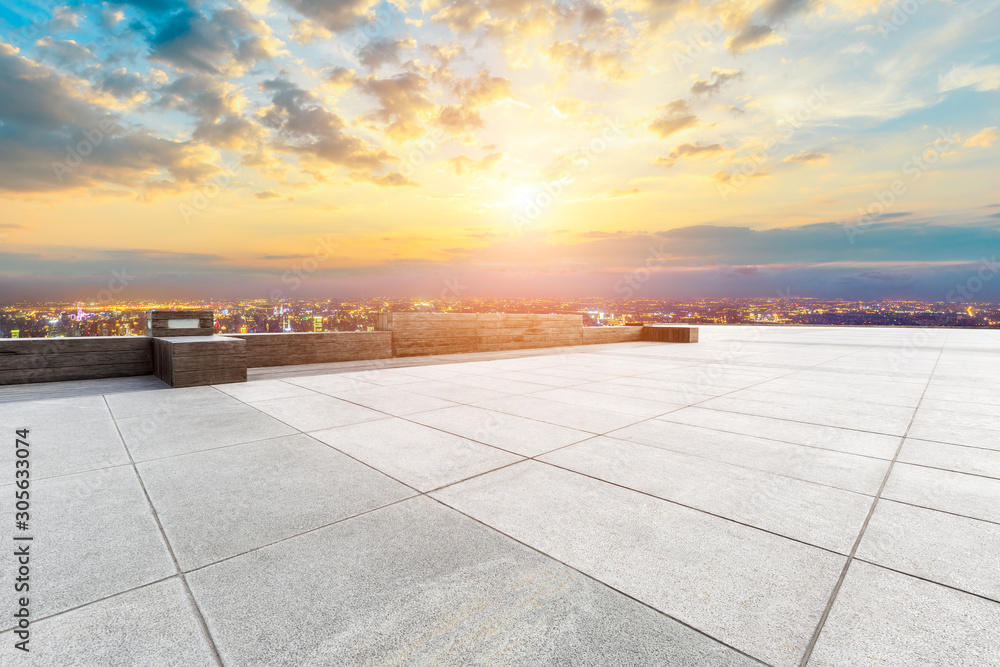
pixel 260 316
pixel 836 149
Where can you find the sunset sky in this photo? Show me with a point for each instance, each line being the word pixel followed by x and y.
pixel 645 148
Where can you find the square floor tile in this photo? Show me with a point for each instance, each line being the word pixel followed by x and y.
pixel 62 448
pixel 945 548
pixel 140 403
pixel 394 400
pixel 262 390
pixel 94 536
pixel 629 405
pixel 886 619
pixel 826 437
pixel 154 625
pixel 957 458
pixel 425 458
pixel 451 391
pixel 851 472
pixel 163 434
pixel 526 437
pixel 500 384
pixel 841 417
pixel 218 503
pixel 434 587
pixel 28 414
pixel 646 393
pixel 819 515
pixel 958 493
pixel 592 420
pixel 330 383
pixel 311 413
pixel 755 591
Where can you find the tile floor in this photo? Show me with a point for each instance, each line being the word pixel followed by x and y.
pixel 820 496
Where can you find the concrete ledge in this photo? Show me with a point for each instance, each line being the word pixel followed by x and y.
pixel 417 334
pixel 669 334
pixel 192 361
pixel 26 360
pixel 598 335
pixel 290 349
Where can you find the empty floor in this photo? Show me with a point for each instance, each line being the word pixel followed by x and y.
pixel 821 496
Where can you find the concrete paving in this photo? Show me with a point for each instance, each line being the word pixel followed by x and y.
pixel 778 496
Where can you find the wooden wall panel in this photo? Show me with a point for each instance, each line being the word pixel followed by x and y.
pixel 25 360
pixel 596 335
pixel 290 349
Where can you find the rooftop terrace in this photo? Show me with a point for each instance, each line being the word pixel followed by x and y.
pixel 769 496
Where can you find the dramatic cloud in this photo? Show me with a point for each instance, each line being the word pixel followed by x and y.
pixel 122 84
pixel 587 119
pixel 334 15
pixel 305 127
pixel 52 139
pixel 403 104
pixel 379 52
pixel 228 40
pixel 217 106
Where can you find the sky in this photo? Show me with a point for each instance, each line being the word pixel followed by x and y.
pixel 440 149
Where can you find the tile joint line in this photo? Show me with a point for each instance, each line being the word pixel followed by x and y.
pixel 857 543
pixel 203 626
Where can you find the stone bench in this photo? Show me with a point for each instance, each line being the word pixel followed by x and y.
pixel 187 353
pixel 192 361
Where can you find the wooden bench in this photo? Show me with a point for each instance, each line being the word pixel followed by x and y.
pixel 192 361
pixel 187 353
